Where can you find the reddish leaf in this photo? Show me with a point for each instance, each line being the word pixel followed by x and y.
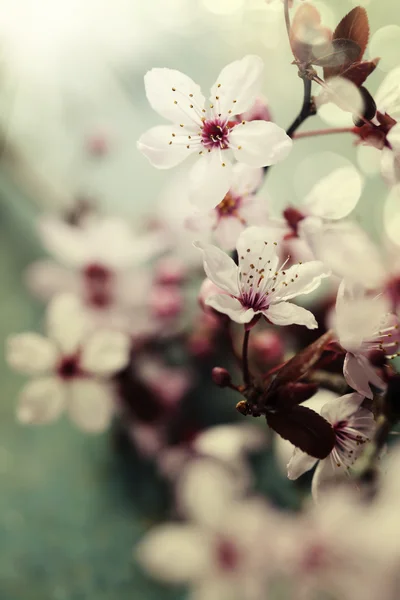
pixel 338 53
pixel 301 363
pixel 354 26
pixel 305 429
pixel 295 393
pixel 359 72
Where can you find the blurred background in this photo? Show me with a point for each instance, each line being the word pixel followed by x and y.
pixel 72 106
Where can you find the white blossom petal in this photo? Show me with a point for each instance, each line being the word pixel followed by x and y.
pixel 155 145
pixel 230 442
pixel 31 353
pixel 227 231
pixel 64 242
pixel 172 93
pixel 390 166
pixel 255 242
pixel 387 97
pixel 231 307
pixel 245 179
pixel 393 137
pixel 204 490
pixel 340 409
pixel 219 268
pixel 285 313
pixel 46 278
pixel 259 143
pixel 335 196
pixel 90 404
pixel 66 322
pixel 41 401
pixel 209 180
pixel 237 86
pixel 174 553
pixel 300 463
pixel 326 473
pixel 359 373
pixel 302 278
pixel 105 352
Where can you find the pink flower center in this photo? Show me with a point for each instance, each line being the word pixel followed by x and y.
pixel 255 300
pixel 229 207
pixel 98 285
pixel 215 134
pixel 68 367
pixel 227 555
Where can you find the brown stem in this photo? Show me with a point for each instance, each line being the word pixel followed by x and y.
pixel 306 134
pixel 245 357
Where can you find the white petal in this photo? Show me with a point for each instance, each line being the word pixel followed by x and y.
pixel 155 145
pixel 390 166
pixel 41 401
pixel 259 143
pixel 165 87
pixel 90 404
pixel 105 352
pixel 388 95
pixel 285 313
pixel 204 490
pixel 237 85
pixel 300 463
pixel 340 409
pixel 253 243
pixel 46 278
pixel 359 373
pixel 345 249
pixel 393 137
pixel 66 322
pixel 231 307
pixel 210 179
pixel 65 242
pixel 227 231
pixel 230 442
pixel 174 553
pixel 301 279
pixel 220 268
pixel 326 473
pixel 245 179
pixel 335 196
pixel 31 353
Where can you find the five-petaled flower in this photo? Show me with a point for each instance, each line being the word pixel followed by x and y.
pixel 257 286
pixel 240 208
pixel 209 129
pixel 71 368
pixel 353 426
pixel 364 323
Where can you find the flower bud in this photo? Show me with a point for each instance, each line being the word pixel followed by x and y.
pixel 267 347
pixel 221 377
pixel 170 271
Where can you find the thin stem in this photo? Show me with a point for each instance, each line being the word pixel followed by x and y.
pixel 306 134
pixel 307 109
pixel 245 357
pixel 287 16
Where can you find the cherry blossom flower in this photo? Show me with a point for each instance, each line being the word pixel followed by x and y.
pixel 239 209
pixel 220 551
pixel 209 129
pixel 353 426
pixel 257 287
pixel 363 323
pixel 100 261
pixel 71 368
pixel 384 132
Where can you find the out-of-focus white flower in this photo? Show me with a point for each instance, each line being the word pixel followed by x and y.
pixel 221 550
pixel 71 368
pixel 99 261
pixel 257 286
pixel 209 129
pixel 239 209
pixel 228 444
pixel 353 426
pixel 363 323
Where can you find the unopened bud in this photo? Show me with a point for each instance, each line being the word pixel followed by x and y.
pixel 268 347
pixel 221 377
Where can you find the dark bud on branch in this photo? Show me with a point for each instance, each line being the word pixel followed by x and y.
pixel 221 377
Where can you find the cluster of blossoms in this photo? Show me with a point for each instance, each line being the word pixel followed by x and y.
pixel 306 295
